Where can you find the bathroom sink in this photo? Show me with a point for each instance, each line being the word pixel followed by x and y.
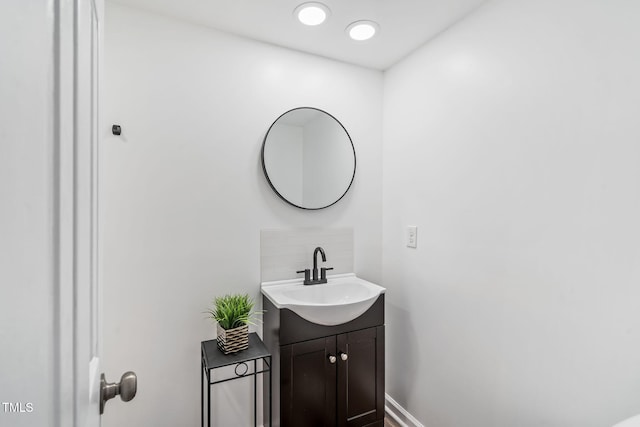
pixel 343 298
pixel 630 422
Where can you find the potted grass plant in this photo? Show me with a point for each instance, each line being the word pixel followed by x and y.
pixel 233 314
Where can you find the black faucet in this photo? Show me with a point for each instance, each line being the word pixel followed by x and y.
pixel 323 271
pixel 315 263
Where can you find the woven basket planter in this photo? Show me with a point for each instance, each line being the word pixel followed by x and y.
pixel 233 340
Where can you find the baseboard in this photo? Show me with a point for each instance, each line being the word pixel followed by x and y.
pixel 399 414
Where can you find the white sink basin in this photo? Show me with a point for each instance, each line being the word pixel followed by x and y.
pixel 341 300
pixel 630 422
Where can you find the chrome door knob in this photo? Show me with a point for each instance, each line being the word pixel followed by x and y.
pixel 332 359
pixel 344 356
pixel 126 388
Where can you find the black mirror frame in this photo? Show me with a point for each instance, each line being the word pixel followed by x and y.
pixel 264 168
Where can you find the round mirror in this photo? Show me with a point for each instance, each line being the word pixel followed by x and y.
pixel 308 158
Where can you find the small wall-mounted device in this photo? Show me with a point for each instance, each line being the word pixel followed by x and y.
pixel 116 129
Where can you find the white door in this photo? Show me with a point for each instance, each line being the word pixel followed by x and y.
pixel 77 78
pixel 80 24
pixel 87 293
pixel 50 305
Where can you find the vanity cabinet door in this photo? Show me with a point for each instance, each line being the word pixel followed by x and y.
pixel 360 391
pixel 308 383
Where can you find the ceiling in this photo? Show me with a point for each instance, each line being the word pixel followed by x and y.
pixel 404 24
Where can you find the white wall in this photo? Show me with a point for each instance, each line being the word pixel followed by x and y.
pixel 184 198
pixel 27 347
pixel 511 141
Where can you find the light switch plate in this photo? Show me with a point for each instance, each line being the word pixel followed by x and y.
pixel 412 236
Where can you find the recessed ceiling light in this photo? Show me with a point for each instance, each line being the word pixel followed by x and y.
pixel 362 30
pixel 311 13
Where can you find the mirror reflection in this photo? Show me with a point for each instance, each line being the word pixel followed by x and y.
pixel 308 158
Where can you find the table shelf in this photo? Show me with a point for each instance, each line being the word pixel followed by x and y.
pixel 246 365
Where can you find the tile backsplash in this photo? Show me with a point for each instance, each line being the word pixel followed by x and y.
pixel 285 251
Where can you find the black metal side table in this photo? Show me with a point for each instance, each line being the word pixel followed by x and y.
pixel 213 358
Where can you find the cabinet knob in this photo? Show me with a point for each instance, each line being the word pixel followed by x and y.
pixel 332 359
pixel 344 356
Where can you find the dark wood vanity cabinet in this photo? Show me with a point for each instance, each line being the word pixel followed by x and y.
pixel 327 376
pixel 317 390
pixel 308 383
pixel 361 377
